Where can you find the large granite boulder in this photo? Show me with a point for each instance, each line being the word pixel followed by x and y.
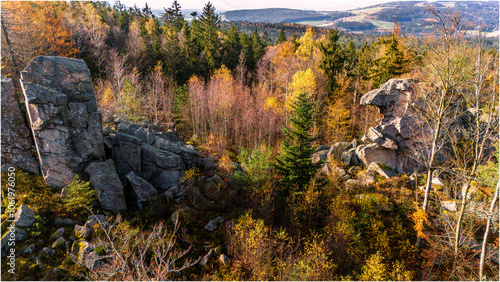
pixel 17 148
pixel 168 179
pixel 398 126
pixel 140 189
pixel 381 170
pixel 337 149
pixel 107 185
pixel 374 153
pixel 64 118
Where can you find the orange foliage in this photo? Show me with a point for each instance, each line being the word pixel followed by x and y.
pixel 39 28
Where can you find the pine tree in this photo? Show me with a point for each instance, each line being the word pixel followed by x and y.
pixel 332 60
pixel 207 29
pixel 246 56
pixel 231 48
pixel 258 47
pixel 266 39
pixel 295 164
pixel 392 64
pixel 282 37
pixel 173 16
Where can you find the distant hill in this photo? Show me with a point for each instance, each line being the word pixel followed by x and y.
pixel 411 16
pixel 282 15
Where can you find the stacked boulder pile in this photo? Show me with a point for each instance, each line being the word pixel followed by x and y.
pixel 149 160
pixel 388 142
pixel 384 147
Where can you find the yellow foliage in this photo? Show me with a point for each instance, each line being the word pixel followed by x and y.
pixel 307 44
pixel 128 100
pixel 109 100
pixel 272 103
pixel 191 175
pixel 150 25
pixel 158 67
pixel 374 269
pixel 193 79
pixel 419 217
pixel 338 121
pixel 285 50
pixel 223 84
pixel 400 273
pixel 314 264
pixel 40 26
pixel 223 73
pixel 251 244
pixel 303 206
pixel 93 19
pixel 302 82
pixel 225 163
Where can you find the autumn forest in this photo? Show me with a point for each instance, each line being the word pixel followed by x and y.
pixel 281 128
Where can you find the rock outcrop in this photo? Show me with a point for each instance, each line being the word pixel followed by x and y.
pixel 64 118
pixel 150 154
pixel 385 145
pixel 394 134
pixel 17 148
pixel 135 161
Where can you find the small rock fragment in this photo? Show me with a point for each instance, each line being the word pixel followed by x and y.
pixel 213 224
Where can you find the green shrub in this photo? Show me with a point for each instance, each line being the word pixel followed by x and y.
pixel 79 196
pixel 256 165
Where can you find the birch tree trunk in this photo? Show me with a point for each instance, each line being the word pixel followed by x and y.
pixel 484 247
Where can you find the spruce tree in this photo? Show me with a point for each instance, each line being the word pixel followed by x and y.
pixel 295 164
pixel 190 52
pixel 332 60
pixel 231 48
pixel 173 16
pixel 207 29
pixel 282 37
pixel 246 55
pixel 258 47
pixel 392 64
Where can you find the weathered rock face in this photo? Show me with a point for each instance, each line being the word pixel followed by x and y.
pixel 107 184
pixel 17 148
pixel 64 118
pixel 388 140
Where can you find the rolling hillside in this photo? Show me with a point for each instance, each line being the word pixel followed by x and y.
pixel 412 16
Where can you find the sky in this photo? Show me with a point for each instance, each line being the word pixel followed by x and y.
pixel 225 5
